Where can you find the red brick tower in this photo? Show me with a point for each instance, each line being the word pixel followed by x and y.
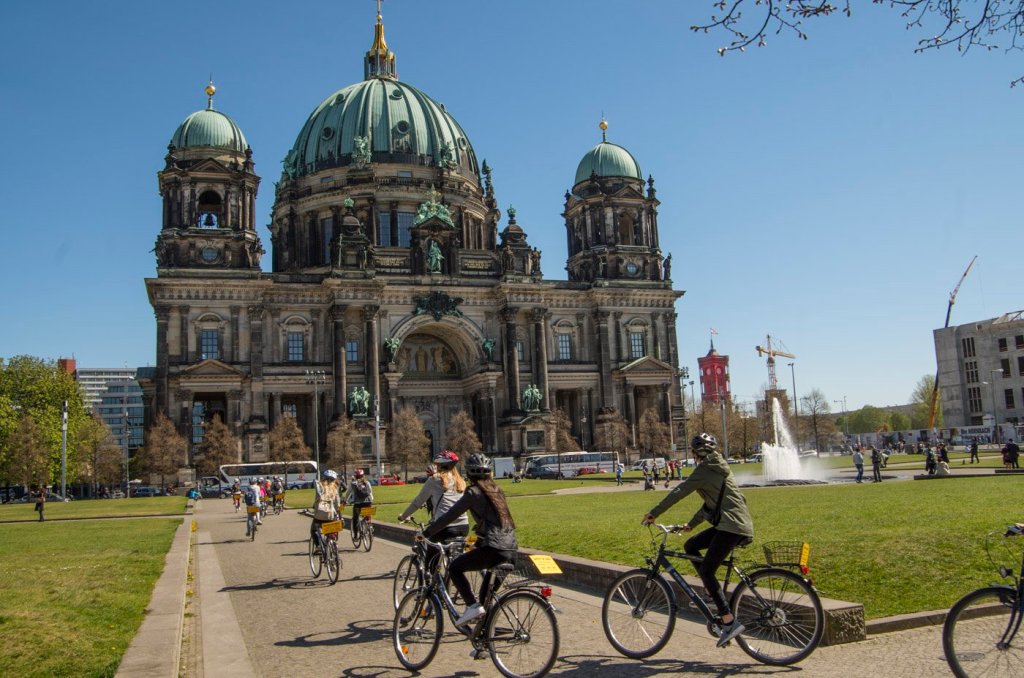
pixel 714 377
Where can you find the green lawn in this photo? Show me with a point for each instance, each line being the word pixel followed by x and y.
pixel 96 508
pixel 73 594
pixel 897 547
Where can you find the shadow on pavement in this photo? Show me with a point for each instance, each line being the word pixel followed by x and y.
pixel 590 665
pixel 367 631
pixel 375 671
pixel 295 583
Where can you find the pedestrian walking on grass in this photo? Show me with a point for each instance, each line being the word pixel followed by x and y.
pixel 876 465
pixel 974 452
pixel 41 503
pixel 858 463
pixel 618 473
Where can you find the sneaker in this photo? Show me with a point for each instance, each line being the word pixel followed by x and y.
pixel 730 631
pixel 483 653
pixel 474 611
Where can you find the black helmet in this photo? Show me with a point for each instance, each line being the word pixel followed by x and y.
pixel 478 466
pixel 704 444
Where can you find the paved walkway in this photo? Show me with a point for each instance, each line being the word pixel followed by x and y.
pixel 262 614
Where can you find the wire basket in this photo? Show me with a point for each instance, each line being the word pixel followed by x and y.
pixel 787 553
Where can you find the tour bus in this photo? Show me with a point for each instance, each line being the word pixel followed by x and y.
pixel 296 474
pixel 569 464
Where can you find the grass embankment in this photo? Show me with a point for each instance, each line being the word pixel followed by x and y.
pixel 73 594
pixel 96 508
pixel 897 547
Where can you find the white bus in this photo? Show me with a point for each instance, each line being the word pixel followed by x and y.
pixel 294 473
pixel 569 464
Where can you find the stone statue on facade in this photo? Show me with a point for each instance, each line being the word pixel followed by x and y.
pixel 488 346
pixel 446 156
pixel 531 398
pixel 391 346
pixel 508 259
pixel 434 257
pixel 359 402
pixel 666 268
pixel 535 261
pixel 362 156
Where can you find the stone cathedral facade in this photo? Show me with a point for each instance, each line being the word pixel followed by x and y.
pixel 395 275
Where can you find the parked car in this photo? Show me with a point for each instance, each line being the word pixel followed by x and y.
pixel 145 491
pixel 590 471
pixel 388 480
pixel 301 485
pixel 755 458
pixel 542 473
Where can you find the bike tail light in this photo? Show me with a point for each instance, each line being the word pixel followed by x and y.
pixel 804 570
pixel 545 591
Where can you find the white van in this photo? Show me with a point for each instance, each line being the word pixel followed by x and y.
pixel 658 462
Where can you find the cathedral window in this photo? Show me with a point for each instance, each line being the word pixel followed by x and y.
pixel 296 346
pixel 384 229
pixel 209 345
pixel 210 210
pixel 564 347
pixel 405 222
pixel 290 410
pixel 327 229
pixel 626 230
pixel 520 352
pixel 352 351
pixel 637 345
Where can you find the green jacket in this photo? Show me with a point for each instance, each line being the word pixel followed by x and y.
pixel 706 480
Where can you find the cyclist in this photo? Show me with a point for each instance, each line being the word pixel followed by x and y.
pixel 236 494
pixel 443 488
pixel 726 509
pixel 326 503
pixel 360 495
pixel 495 530
pixel 253 498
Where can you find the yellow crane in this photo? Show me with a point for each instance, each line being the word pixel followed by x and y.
pixel 771 352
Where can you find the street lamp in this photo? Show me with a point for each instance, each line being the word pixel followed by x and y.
pixel 846 419
pixel 725 428
pixel 583 429
pixel 376 435
pixel 684 374
pixel 316 378
pixel 995 413
pixel 796 412
pixel 124 432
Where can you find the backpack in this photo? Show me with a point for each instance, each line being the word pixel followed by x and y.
pixel 362 493
pixel 250 496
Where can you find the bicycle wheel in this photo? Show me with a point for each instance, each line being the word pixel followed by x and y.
pixel 973 635
pixel 522 635
pixel 315 564
pixel 367 536
pixel 416 634
pixel 278 507
pixel 782 615
pixel 356 533
pixel 332 560
pixel 252 527
pixel 638 614
pixel 407 578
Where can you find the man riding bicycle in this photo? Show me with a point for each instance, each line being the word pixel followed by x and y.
pixel 253 497
pixel 726 509
pixel 360 495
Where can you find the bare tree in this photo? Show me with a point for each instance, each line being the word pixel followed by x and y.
pixel 101 455
pixel 816 409
pixel 612 435
pixel 561 433
pixel 286 442
pixel 461 435
pixel 165 450
pixel 220 446
pixel 28 463
pixel 987 24
pixel 407 443
pixel 921 399
pixel 652 433
pixel 342 446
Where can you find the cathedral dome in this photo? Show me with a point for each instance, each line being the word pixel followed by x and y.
pixel 608 160
pixel 209 128
pixel 403 126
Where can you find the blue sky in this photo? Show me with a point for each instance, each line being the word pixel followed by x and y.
pixel 827 192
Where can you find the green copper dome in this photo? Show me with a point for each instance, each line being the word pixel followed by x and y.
pixel 209 128
pixel 403 125
pixel 608 160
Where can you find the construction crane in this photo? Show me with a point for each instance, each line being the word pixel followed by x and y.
pixel 767 349
pixel 949 310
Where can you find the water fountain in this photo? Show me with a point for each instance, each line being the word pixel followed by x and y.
pixel 780 462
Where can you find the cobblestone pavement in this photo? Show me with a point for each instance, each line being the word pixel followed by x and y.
pixel 293 625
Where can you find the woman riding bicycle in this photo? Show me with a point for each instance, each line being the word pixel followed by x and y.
pixel 326 503
pixel 441 491
pixel 726 509
pixel 495 530
pixel 360 495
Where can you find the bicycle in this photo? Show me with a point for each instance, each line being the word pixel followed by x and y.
pixel 780 609
pixel 278 503
pixel 519 630
pixel 236 497
pixel 323 549
pixel 979 636
pixel 412 571
pixel 362 529
pixel 251 521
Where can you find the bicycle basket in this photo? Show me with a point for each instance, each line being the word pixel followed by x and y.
pixel 794 554
pixel 252 509
pixel 333 527
pixel 368 511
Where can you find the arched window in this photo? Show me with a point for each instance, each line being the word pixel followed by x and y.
pixel 626 229
pixel 210 210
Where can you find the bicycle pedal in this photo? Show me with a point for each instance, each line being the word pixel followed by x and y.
pixel 476 654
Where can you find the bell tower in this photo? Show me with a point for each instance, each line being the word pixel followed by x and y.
pixel 611 224
pixel 209 190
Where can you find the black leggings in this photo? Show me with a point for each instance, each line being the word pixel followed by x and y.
pixel 719 545
pixel 443 536
pixel 480 558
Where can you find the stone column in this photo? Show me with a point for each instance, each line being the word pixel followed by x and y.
pixel 235 312
pixel 540 318
pixel 234 414
pixel 631 406
pixel 339 362
pixel 256 314
pixel 618 350
pixel 183 399
pixel 508 316
pixel 372 353
pixel 604 359
pixel 656 337
pixel 492 416
pixel 163 315
pixel 183 333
